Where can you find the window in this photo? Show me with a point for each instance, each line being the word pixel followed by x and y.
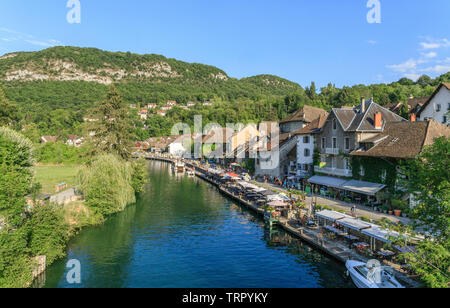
pixel 324 143
pixel 362 171
pixel 438 107
pixel 383 175
pixel 334 124
pixel 347 143
pixel 307 152
pixel 347 164
pixel 334 143
pixel 445 120
pixel 306 140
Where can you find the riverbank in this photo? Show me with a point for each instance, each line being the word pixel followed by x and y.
pixel 313 237
pixel 184 233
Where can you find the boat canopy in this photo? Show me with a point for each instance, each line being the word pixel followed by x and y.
pixel 355 224
pixel 327 181
pixel 331 215
pixel 365 188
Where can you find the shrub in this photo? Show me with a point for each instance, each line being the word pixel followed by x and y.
pixel 48 233
pixel 107 184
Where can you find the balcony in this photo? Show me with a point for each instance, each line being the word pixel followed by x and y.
pixel 334 171
pixel 331 151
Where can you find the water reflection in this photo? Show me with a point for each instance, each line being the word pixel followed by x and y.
pixel 184 233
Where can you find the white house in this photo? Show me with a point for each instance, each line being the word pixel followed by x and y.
pixel 438 106
pixel 181 146
pixel 306 145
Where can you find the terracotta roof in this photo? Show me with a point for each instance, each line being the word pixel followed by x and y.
pixel 404 139
pixel 413 104
pixel 442 85
pixel 218 135
pixel 49 138
pixel 313 126
pixel 306 114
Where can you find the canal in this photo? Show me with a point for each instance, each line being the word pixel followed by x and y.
pixel 184 233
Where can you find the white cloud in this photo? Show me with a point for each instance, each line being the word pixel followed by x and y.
pixel 12 36
pixel 412 76
pixel 411 64
pixel 440 69
pixel 372 42
pixel 432 43
pixel 430 55
pixel 428 61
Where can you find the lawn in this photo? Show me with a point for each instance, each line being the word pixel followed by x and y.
pixel 49 176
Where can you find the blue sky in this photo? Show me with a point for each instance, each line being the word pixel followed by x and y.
pixel 301 40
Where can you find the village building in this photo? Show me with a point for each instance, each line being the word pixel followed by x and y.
pixel 279 159
pixel 345 131
pixel 74 141
pixel 437 107
pixel 152 106
pixel 399 141
pixel 414 105
pixel 132 106
pixel 207 103
pixel 171 103
pixel 161 113
pixel 306 146
pixel 48 139
pixel 190 104
pixel 167 108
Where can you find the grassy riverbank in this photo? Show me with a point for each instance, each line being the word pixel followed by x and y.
pixel 49 176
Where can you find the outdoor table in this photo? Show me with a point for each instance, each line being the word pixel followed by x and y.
pixel 351 238
pixel 361 245
pixel 385 253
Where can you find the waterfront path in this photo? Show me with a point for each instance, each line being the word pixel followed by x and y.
pixel 362 211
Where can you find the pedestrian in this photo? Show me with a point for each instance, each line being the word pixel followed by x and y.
pixel 354 211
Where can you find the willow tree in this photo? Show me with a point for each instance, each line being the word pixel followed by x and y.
pixel 16 174
pixel 109 126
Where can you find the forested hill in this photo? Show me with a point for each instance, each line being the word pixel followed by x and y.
pixel 54 89
pixel 103 67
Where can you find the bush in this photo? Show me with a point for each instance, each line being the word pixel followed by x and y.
pixel 139 175
pixel 16 174
pixel 107 184
pixel 15 265
pixel 48 233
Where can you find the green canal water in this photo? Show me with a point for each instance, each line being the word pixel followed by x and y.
pixel 184 233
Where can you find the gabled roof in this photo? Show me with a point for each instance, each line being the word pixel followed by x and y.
pixel 404 139
pixel 313 126
pixel 352 120
pixel 305 114
pixel 442 85
pixel 413 104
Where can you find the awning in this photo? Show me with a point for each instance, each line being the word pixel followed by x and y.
pixel 365 188
pixel 327 181
pixel 381 234
pixel 331 215
pixel 278 197
pixel 354 224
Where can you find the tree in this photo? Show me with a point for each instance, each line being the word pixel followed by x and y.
pixel 429 182
pixel 8 112
pixel 16 174
pixel 110 126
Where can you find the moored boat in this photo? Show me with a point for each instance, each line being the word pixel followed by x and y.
pixel 372 278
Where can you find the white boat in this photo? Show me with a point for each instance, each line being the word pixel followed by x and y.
pixel 179 166
pixel 377 278
pixel 191 173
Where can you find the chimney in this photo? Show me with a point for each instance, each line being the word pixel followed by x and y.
pixel 378 121
pixel 363 105
pixel 413 117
